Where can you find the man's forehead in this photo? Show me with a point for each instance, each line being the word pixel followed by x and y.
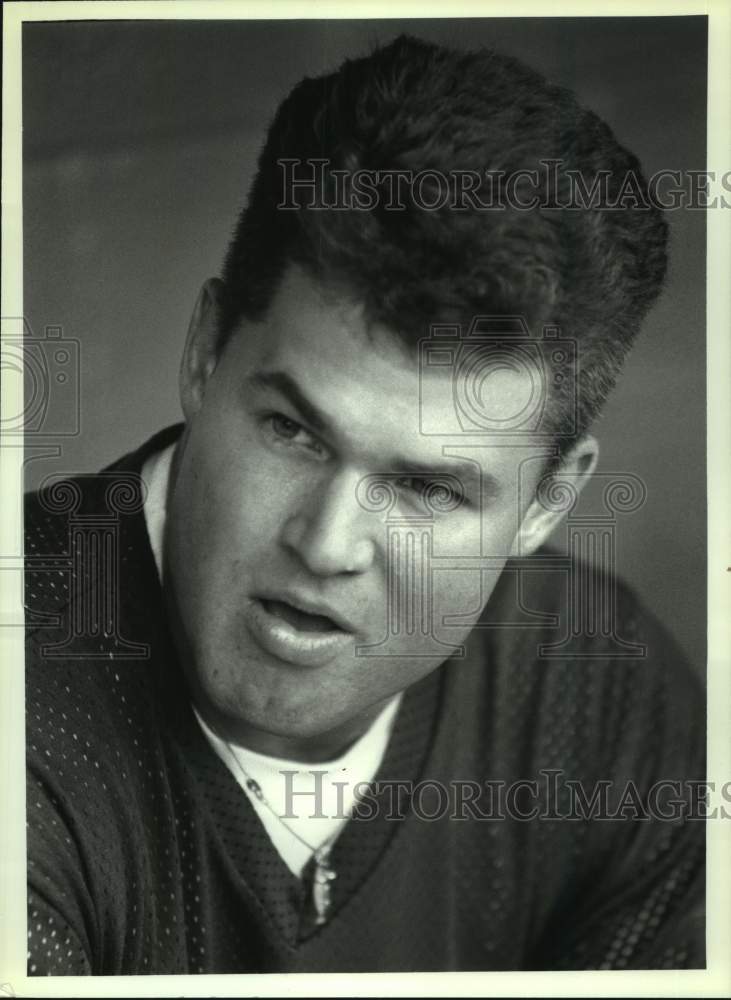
pixel 300 295
pixel 321 334
pixel 359 379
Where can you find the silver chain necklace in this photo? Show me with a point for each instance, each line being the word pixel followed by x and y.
pixel 323 874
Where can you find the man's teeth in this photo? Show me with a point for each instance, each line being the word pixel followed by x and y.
pixel 301 620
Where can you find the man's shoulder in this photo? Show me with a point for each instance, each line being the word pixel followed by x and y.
pixel 115 489
pixel 74 524
pixel 575 608
pixel 579 643
pixel 93 604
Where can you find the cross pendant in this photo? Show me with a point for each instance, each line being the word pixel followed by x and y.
pixel 321 879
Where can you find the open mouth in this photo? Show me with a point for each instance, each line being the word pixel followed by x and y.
pixel 294 636
pixel 303 621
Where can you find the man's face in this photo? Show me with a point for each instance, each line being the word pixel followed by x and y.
pixel 278 559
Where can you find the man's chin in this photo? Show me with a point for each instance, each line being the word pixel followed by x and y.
pixel 293 735
pixel 271 721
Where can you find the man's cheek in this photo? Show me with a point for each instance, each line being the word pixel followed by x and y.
pixel 458 595
pixel 244 506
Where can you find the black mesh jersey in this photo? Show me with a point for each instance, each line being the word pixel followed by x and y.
pixel 522 817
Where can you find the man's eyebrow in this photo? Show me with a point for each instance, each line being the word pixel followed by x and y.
pixel 288 387
pixel 464 472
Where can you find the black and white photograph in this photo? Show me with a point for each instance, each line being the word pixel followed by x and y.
pixel 365 495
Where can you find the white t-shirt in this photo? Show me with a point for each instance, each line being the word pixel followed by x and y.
pixel 316 799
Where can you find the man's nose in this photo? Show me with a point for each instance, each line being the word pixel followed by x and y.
pixel 329 530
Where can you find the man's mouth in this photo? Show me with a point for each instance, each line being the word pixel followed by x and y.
pixel 303 621
pixel 292 634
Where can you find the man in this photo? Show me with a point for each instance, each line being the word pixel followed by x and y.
pixel 307 701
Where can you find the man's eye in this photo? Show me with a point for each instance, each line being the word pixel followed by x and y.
pixel 411 484
pixel 292 432
pixel 284 427
pixel 436 494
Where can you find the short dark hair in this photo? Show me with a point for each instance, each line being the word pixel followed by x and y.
pixel 411 104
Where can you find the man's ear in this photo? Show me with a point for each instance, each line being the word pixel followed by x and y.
pixel 555 496
pixel 201 347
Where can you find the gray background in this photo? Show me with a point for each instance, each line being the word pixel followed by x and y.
pixel 140 139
